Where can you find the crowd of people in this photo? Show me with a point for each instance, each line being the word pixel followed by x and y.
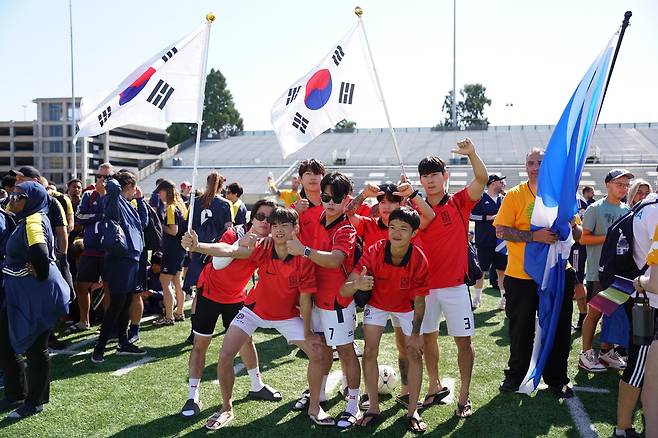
pixel 314 254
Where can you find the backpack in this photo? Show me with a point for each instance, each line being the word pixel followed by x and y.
pixel 622 264
pixel 113 238
pixel 153 230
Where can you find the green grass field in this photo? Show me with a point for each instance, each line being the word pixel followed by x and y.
pixel 88 401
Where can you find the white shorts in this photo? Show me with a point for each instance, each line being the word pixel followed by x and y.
pixel 292 329
pixel 455 304
pixel 337 325
pixel 374 316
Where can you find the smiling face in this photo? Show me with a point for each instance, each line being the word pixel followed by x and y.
pixel 259 224
pixel 283 232
pixel 333 208
pixel 400 234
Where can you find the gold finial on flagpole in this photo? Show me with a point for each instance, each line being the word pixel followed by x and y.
pixel 210 17
pixel 358 11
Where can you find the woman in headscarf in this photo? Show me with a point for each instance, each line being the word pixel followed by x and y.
pixel 122 271
pixel 36 295
pixel 639 190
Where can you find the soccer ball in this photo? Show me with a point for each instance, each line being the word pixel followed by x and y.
pixel 388 379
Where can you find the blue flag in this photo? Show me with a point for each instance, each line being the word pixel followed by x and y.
pixel 555 206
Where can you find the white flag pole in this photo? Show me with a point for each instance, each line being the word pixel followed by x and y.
pixel 358 11
pixel 210 17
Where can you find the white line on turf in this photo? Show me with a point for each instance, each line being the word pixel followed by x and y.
pixel 449 382
pixel 591 389
pixel 132 366
pixel 333 379
pixel 580 418
pixel 237 369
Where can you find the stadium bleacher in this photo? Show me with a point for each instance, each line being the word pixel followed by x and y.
pixel 367 155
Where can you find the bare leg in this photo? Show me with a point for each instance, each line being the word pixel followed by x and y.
pixel 626 402
pixel 372 335
pixel 465 360
pixel 198 355
pixel 650 392
pixel 314 374
pixel 167 295
pixel 233 340
pixel 431 349
pixel 589 328
pixel 180 295
pixel 415 378
pixel 84 301
pixel 403 360
pixel 136 309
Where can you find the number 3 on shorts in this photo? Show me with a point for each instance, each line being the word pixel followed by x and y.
pixel 331 332
pixel 467 323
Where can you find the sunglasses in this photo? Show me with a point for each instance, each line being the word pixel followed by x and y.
pixel 325 197
pixel 15 197
pixel 261 217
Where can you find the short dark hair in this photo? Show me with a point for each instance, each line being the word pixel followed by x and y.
pixel 156 258
pixel 259 204
pixel 406 214
pixel 235 188
pixel 282 215
pixel 339 183
pixel 313 166
pixel 587 189
pixel 431 164
pixel 73 181
pixel 125 178
pixel 8 180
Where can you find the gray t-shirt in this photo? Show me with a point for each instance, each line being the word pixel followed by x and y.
pixel 597 219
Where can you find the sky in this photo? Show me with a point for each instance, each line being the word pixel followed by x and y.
pixel 526 53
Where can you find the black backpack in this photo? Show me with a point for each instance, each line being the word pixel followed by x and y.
pixel 623 265
pixel 153 230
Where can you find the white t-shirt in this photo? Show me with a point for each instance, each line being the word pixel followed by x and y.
pixel 645 241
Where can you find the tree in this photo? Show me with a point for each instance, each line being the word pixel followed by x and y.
pixel 470 108
pixel 219 113
pixel 345 124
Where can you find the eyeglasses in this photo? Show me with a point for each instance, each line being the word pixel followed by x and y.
pixel 261 217
pixel 15 197
pixel 326 197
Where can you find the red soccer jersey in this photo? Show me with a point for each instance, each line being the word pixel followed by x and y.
pixel 395 286
pixel 227 286
pixel 445 240
pixel 372 230
pixel 309 221
pixel 338 235
pixel 276 296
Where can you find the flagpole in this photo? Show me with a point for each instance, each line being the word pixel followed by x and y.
pixel 358 11
pixel 622 31
pixel 73 150
pixel 210 17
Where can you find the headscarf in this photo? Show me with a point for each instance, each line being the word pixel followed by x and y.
pixel 37 199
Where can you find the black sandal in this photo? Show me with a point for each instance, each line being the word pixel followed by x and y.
pixel 302 402
pixel 364 402
pixel 437 397
pixel 465 410
pixel 266 393
pixel 404 401
pixel 416 425
pixel 374 419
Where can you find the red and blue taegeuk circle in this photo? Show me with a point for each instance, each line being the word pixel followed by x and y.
pixel 318 90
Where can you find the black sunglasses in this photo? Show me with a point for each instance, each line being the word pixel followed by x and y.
pixel 262 217
pixel 15 197
pixel 325 197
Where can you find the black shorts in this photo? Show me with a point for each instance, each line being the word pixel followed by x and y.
pixel 577 258
pixel 207 313
pixel 172 261
pixel 488 256
pixel 90 269
pixel 637 354
pixel 593 288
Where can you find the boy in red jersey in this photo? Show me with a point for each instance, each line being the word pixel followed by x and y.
pixel 396 271
pixel 309 207
pixel 286 284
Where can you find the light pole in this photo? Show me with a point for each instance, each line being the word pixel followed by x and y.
pixel 454 65
pixel 75 153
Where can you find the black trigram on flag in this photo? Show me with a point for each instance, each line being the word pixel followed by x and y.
pixel 167 56
pixel 160 94
pixel 300 123
pixel 292 94
pixel 346 93
pixel 102 117
pixel 338 55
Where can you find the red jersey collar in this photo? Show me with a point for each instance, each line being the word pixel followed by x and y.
pixel 388 257
pixel 323 220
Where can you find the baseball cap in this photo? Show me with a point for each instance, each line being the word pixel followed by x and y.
pixel 185 184
pixel 617 173
pixel 494 178
pixel 26 171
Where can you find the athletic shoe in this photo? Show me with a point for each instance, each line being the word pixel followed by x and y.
pixel 130 350
pixel 133 338
pixel 475 303
pixel 508 385
pixel 612 360
pixel 97 357
pixel 564 391
pixel 191 408
pixel 501 303
pixel 76 328
pixel 628 433
pixel 25 410
pixel 622 352
pixel 587 360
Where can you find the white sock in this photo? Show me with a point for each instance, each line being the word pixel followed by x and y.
pixel 478 293
pixel 193 391
pixel 256 382
pixel 352 401
pixel 323 394
pixel 502 293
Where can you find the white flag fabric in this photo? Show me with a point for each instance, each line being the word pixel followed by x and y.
pixel 338 87
pixel 163 89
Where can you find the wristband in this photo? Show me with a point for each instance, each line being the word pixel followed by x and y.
pixel 413 195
